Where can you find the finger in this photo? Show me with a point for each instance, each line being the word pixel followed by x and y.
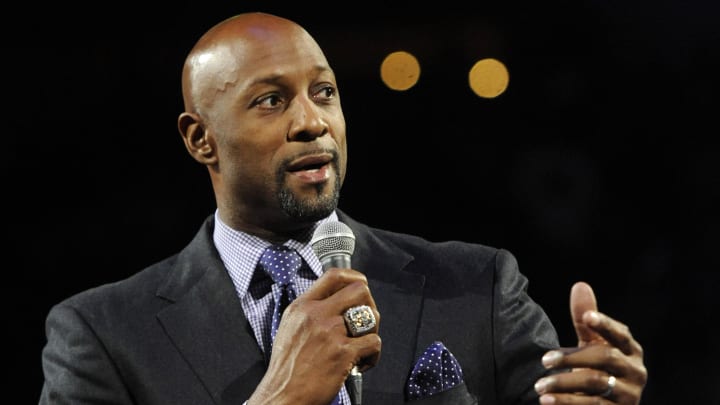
pixel 331 282
pixel 587 382
pixel 599 358
pixel 353 294
pixel 368 348
pixel 336 291
pixel 596 356
pixel 614 332
pixel 350 289
pixel 582 300
pixel 573 399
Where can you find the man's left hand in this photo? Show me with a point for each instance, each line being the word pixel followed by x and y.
pixel 607 365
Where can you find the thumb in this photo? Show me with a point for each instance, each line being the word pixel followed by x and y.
pixel 582 299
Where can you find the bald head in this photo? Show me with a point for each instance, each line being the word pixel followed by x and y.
pixel 220 56
pixel 263 114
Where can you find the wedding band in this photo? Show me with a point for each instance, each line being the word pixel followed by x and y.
pixel 611 386
pixel 359 320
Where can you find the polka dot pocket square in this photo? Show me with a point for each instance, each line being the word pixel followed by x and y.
pixel 436 371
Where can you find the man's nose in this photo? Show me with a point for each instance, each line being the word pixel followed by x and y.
pixel 308 120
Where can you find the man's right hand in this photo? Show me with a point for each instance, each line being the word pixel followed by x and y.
pixel 313 352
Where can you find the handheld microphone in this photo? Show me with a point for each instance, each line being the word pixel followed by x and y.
pixel 334 243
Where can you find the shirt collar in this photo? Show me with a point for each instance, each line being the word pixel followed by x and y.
pixel 240 252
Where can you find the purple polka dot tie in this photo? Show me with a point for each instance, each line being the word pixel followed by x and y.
pixel 281 263
pixel 436 371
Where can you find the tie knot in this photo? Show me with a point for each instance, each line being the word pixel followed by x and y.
pixel 280 263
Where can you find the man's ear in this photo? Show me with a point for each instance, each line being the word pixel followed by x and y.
pixel 196 139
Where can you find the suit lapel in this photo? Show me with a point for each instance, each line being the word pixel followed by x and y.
pixel 218 342
pixel 398 296
pixel 208 326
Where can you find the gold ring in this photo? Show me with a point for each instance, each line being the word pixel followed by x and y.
pixel 359 320
pixel 611 386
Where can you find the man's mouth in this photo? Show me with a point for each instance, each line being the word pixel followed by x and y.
pixel 313 168
pixel 310 162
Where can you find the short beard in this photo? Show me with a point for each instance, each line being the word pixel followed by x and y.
pixel 310 210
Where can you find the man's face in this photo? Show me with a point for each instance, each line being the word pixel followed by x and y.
pixel 271 105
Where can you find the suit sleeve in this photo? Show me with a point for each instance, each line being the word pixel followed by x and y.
pixel 75 364
pixel 522 334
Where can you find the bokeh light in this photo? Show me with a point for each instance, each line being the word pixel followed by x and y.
pixel 488 78
pixel 400 70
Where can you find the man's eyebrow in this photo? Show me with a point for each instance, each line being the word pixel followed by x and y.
pixel 278 78
pixel 272 79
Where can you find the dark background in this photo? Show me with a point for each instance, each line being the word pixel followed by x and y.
pixel 599 162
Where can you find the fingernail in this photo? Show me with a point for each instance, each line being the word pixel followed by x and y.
pixel 542 385
pixel 551 358
pixel 547 399
pixel 593 318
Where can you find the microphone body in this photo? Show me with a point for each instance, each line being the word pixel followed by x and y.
pixel 355 386
pixel 336 260
pixel 334 244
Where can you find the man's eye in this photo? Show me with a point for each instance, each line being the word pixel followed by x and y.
pixel 270 101
pixel 327 92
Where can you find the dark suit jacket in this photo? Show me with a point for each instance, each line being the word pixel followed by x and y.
pixel 175 333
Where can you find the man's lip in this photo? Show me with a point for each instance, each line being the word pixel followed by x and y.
pixel 313 161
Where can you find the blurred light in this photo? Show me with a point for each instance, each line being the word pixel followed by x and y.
pixel 400 70
pixel 488 78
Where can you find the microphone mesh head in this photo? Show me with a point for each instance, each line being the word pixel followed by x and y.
pixel 332 238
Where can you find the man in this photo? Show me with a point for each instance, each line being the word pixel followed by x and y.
pixel 263 114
